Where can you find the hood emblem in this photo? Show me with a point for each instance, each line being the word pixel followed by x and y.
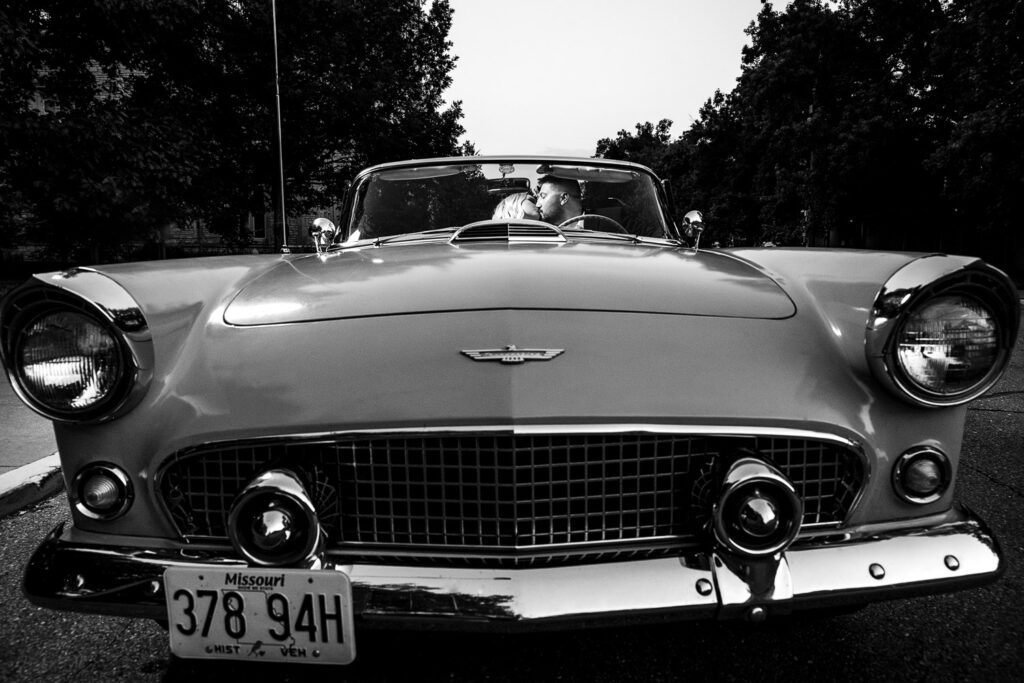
pixel 512 354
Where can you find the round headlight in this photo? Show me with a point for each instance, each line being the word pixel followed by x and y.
pixel 948 347
pixel 68 361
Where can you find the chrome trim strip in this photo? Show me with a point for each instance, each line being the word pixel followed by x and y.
pixel 567 428
pixel 476 161
pixel 916 561
pixel 489 551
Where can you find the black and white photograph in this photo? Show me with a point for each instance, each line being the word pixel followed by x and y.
pixel 467 340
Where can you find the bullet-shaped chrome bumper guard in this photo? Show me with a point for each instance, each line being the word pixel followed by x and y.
pixel 956 553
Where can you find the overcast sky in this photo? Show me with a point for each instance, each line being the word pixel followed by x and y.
pixel 555 76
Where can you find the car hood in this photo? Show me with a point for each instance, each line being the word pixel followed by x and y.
pixel 423 278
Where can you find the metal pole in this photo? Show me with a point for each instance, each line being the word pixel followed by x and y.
pixel 280 148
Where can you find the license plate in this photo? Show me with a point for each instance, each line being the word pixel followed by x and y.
pixel 265 615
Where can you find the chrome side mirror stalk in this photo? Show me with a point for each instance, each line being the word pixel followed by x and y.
pixel 693 227
pixel 323 232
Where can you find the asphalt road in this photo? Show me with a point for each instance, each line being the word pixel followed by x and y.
pixel 26 436
pixel 975 635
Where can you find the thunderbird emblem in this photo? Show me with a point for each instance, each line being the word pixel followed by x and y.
pixel 511 354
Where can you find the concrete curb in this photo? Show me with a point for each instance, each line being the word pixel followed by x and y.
pixel 30 484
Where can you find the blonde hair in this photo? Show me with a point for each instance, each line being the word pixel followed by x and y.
pixel 511 207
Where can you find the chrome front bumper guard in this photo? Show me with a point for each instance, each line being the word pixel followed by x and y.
pixel 956 553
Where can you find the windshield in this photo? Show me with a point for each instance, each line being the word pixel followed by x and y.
pixel 454 193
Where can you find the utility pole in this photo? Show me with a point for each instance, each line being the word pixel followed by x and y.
pixel 280 217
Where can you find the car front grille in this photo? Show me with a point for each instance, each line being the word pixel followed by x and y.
pixel 499 497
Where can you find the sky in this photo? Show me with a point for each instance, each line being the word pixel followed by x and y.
pixel 555 76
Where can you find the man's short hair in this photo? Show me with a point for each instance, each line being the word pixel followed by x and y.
pixel 566 185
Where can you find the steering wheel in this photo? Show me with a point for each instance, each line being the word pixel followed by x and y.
pixel 611 222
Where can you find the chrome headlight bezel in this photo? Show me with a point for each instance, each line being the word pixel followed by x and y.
pixel 92 299
pixel 921 284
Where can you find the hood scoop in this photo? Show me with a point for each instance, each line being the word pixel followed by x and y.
pixel 501 231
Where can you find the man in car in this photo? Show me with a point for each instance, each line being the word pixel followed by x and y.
pixel 558 200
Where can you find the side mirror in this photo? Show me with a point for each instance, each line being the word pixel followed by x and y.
pixel 693 226
pixel 322 231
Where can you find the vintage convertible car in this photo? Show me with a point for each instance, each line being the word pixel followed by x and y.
pixel 448 418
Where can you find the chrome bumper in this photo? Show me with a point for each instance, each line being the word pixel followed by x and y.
pixel 959 552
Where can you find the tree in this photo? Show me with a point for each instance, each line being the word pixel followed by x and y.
pixel 81 150
pixel 833 139
pixel 648 147
pixel 860 123
pixel 870 123
pixel 123 115
pixel 977 60
pixel 711 171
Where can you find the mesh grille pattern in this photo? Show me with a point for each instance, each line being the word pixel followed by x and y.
pixel 827 482
pixel 497 492
pixel 512 492
pixel 199 490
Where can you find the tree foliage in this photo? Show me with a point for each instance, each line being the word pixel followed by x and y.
pixel 648 146
pixel 872 123
pixel 121 116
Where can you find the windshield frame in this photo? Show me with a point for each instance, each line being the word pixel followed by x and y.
pixel 450 165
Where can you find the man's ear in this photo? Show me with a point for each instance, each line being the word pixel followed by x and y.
pixel 564 199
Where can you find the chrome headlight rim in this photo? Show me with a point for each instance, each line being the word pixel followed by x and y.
pixel 104 304
pixel 920 284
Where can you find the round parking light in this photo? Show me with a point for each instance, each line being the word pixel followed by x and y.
pixel 102 491
pixel 921 475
